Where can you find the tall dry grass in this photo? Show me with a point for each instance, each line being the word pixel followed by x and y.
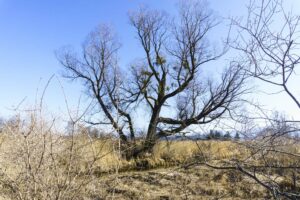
pixel 37 162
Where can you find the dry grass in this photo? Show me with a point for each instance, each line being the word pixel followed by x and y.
pixel 176 183
pixel 165 153
pixel 96 171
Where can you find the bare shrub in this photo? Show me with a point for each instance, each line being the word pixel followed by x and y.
pixel 37 162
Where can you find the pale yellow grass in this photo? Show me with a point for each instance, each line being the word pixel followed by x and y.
pixel 165 153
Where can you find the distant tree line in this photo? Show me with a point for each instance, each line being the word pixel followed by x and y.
pixel 220 135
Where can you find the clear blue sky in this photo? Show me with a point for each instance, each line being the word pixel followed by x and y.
pixel 31 30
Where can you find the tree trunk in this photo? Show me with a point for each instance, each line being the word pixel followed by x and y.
pixel 136 150
pixel 151 133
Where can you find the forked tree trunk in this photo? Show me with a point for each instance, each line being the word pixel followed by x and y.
pixel 135 150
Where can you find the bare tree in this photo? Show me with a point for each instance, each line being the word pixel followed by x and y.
pixel 268 41
pixel 167 78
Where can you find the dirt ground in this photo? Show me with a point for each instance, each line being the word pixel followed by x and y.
pixel 178 183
